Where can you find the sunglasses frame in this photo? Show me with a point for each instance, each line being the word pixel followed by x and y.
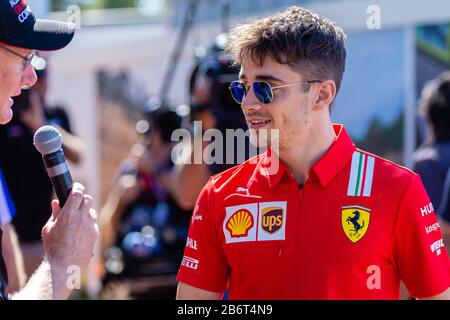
pixel 26 60
pixel 270 87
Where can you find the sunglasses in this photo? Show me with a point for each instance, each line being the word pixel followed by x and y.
pixel 26 60
pixel 263 90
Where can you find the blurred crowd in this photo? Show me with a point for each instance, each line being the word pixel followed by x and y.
pixel 145 220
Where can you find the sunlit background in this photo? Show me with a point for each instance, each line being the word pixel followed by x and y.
pixel 122 59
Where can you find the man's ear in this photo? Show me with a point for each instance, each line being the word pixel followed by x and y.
pixel 325 94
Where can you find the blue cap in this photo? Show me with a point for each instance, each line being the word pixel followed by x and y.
pixel 19 28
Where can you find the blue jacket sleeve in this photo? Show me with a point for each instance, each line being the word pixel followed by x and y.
pixel 7 209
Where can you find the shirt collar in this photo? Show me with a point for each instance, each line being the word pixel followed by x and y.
pixel 336 157
pixel 271 169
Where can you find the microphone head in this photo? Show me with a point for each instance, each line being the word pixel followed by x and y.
pixel 47 139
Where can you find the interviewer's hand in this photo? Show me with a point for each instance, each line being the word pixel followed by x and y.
pixel 69 237
pixel 70 234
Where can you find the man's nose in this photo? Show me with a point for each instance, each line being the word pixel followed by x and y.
pixel 250 101
pixel 29 76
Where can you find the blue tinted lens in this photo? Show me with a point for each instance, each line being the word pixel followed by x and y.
pixel 263 92
pixel 237 91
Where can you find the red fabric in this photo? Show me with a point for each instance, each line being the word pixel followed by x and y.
pixel 309 255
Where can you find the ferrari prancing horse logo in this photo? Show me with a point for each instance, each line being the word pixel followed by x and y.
pixel 355 222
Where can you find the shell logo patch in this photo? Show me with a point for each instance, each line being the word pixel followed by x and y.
pixel 240 223
pixel 355 222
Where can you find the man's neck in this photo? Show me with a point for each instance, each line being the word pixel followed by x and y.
pixel 301 155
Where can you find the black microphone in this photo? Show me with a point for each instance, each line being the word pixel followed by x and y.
pixel 48 142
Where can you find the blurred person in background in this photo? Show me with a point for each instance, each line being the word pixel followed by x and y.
pixel 432 159
pixel 70 233
pixel 143 230
pixel 212 107
pixel 26 177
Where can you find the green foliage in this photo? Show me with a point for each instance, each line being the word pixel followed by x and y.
pixel 117 3
pixel 61 5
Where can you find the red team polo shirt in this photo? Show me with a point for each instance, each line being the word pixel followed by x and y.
pixel 358 226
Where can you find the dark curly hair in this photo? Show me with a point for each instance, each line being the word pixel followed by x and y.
pixel 310 44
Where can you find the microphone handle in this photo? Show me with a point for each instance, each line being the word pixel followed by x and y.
pixel 59 174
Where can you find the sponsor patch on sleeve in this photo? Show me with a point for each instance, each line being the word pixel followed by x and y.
pixel 189 262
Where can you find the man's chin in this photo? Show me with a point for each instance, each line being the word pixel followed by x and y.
pixel 264 138
pixel 259 140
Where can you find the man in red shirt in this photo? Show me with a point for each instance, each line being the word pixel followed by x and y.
pixel 333 221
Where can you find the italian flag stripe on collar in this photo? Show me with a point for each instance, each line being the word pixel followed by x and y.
pixel 361 175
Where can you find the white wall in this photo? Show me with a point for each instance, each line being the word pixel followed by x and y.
pixel 40 8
